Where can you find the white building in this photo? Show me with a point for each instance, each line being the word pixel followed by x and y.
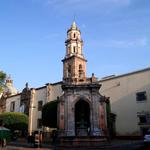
pixel 39 96
pixel 130 101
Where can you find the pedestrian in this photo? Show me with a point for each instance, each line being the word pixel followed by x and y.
pixel 53 136
pixel 3 142
pixel 41 138
pixel 36 140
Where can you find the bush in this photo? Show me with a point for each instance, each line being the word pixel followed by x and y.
pixel 14 120
pixel 49 114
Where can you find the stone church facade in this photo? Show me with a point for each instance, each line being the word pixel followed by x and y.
pixel 81 109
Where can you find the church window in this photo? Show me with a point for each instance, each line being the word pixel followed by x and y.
pixel 141 96
pixel 80 67
pixel 74 35
pixel 80 71
pixel 40 104
pixel 74 49
pixel 69 71
pixel 12 106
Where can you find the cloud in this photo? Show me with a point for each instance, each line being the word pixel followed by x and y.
pixel 128 43
pixel 118 43
pixel 86 4
pixel 122 2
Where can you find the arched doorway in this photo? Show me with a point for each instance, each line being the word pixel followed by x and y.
pixel 82 118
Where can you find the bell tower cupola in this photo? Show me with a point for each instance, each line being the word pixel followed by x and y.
pixel 74 42
pixel 74 63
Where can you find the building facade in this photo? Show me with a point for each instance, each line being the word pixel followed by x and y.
pixel 130 101
pixel 31 100
pixel 81 108
pixel 78 95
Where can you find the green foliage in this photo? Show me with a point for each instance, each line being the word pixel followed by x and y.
pixel 2 80
pixel 14 120
pixel 111 118
pixel 49 114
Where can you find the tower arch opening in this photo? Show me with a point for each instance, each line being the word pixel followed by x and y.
pixel 82 118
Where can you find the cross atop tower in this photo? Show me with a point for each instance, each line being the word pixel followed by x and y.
pixel 74 69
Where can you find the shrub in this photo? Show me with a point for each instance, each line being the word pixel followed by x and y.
pixel 14 120
pixel 49 114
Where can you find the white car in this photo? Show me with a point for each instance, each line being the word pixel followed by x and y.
pixel 147 138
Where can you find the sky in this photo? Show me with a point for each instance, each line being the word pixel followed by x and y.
pixel 116 35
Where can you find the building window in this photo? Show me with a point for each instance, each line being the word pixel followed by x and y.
pixel 141 96
pixel 69 71
pixel 12 106
pixel 74 49
pixel 40 105
pixel 80 71
pixel 80 67
pixel 74 35
pixel 142 119
pixel 39 123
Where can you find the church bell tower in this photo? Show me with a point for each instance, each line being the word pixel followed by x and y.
pixel 81 108
pixel 74 63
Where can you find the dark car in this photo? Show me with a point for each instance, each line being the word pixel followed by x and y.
pixel 147 138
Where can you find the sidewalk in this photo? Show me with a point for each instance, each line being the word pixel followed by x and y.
pixel 48 146
pixel 117 142
pixel 25 144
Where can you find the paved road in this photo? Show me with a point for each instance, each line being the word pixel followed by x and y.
pixel 127 147
pixel 23 148
pixel 116 146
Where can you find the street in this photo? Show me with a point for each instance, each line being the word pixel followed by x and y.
pixel 9 147
pixel 118 146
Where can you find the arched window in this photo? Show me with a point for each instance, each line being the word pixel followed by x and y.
pixel 69 71
pixel 74 35
pixel 74 49
pixel 80 67
pixel 82 118
pixel 80 71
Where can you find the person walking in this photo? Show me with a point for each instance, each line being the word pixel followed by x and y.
pixel 41 138
pixel 3 142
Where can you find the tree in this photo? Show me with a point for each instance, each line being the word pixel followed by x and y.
pixel 49 114
pixel 111 119
pixel 14 120
pixel 2 81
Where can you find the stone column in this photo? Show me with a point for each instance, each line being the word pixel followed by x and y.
pixel 70 118
pixel 103 119
pixel 95 129
pixel 60 118
pixel 31 107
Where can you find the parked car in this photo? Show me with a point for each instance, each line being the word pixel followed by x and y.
pixel 147 138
